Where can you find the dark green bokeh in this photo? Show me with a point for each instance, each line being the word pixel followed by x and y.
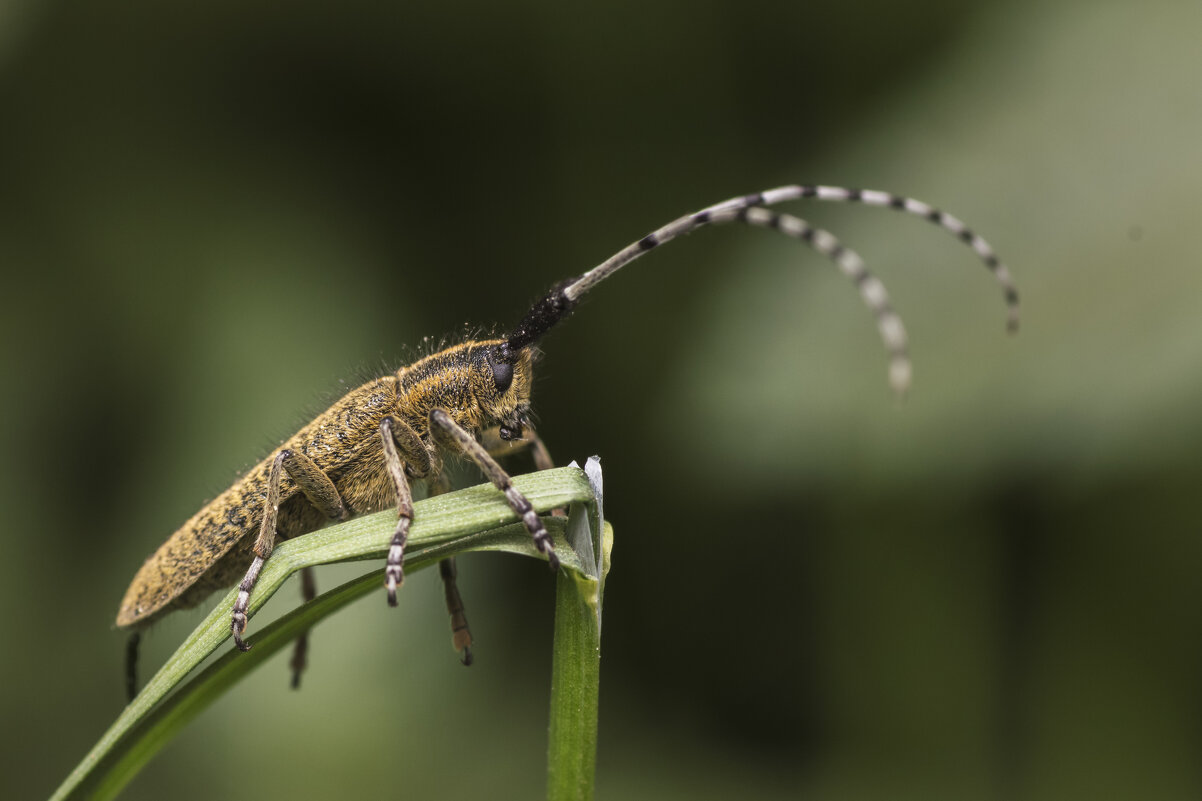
pixel 213 218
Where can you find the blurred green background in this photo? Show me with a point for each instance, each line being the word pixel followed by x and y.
pixel 214 217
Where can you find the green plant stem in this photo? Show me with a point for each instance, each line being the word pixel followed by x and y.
pixel 576 660
pixel 575 682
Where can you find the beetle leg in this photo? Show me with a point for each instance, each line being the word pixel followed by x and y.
pixel 131 664
pixel 538 450
pixel 320 491
pixel 300 648
pixel 404 455
pixel 461 634
pixel 459 439
pixel 500 448
pixel 315 484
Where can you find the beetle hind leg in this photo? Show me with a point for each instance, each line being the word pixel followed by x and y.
pixel 300 648
pixel 317 488
pixel 131 664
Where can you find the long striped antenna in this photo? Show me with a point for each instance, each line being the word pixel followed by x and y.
pixel 562 298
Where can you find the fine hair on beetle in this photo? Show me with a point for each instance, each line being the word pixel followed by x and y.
pixel 469 400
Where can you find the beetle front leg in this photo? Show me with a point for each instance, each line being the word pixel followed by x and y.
pixel 445 428
pixel 461 633
pixel 500 448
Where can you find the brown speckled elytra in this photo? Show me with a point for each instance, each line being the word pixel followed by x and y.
pixel 361 454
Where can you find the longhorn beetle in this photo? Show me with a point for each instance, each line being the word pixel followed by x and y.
pixel 363 452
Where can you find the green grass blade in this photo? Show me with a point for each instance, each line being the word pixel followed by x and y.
pixel 473 519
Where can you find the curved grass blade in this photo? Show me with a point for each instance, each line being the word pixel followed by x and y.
pixel 474 519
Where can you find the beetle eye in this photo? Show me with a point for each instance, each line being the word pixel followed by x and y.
pixel 502 374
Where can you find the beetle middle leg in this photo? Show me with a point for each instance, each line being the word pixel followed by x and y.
pixel 461 633
pixel 498 448
pixel 320 491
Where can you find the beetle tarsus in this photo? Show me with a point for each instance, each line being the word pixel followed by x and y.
pixel 237 627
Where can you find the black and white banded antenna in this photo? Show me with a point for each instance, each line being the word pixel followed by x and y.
pixel 562 298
